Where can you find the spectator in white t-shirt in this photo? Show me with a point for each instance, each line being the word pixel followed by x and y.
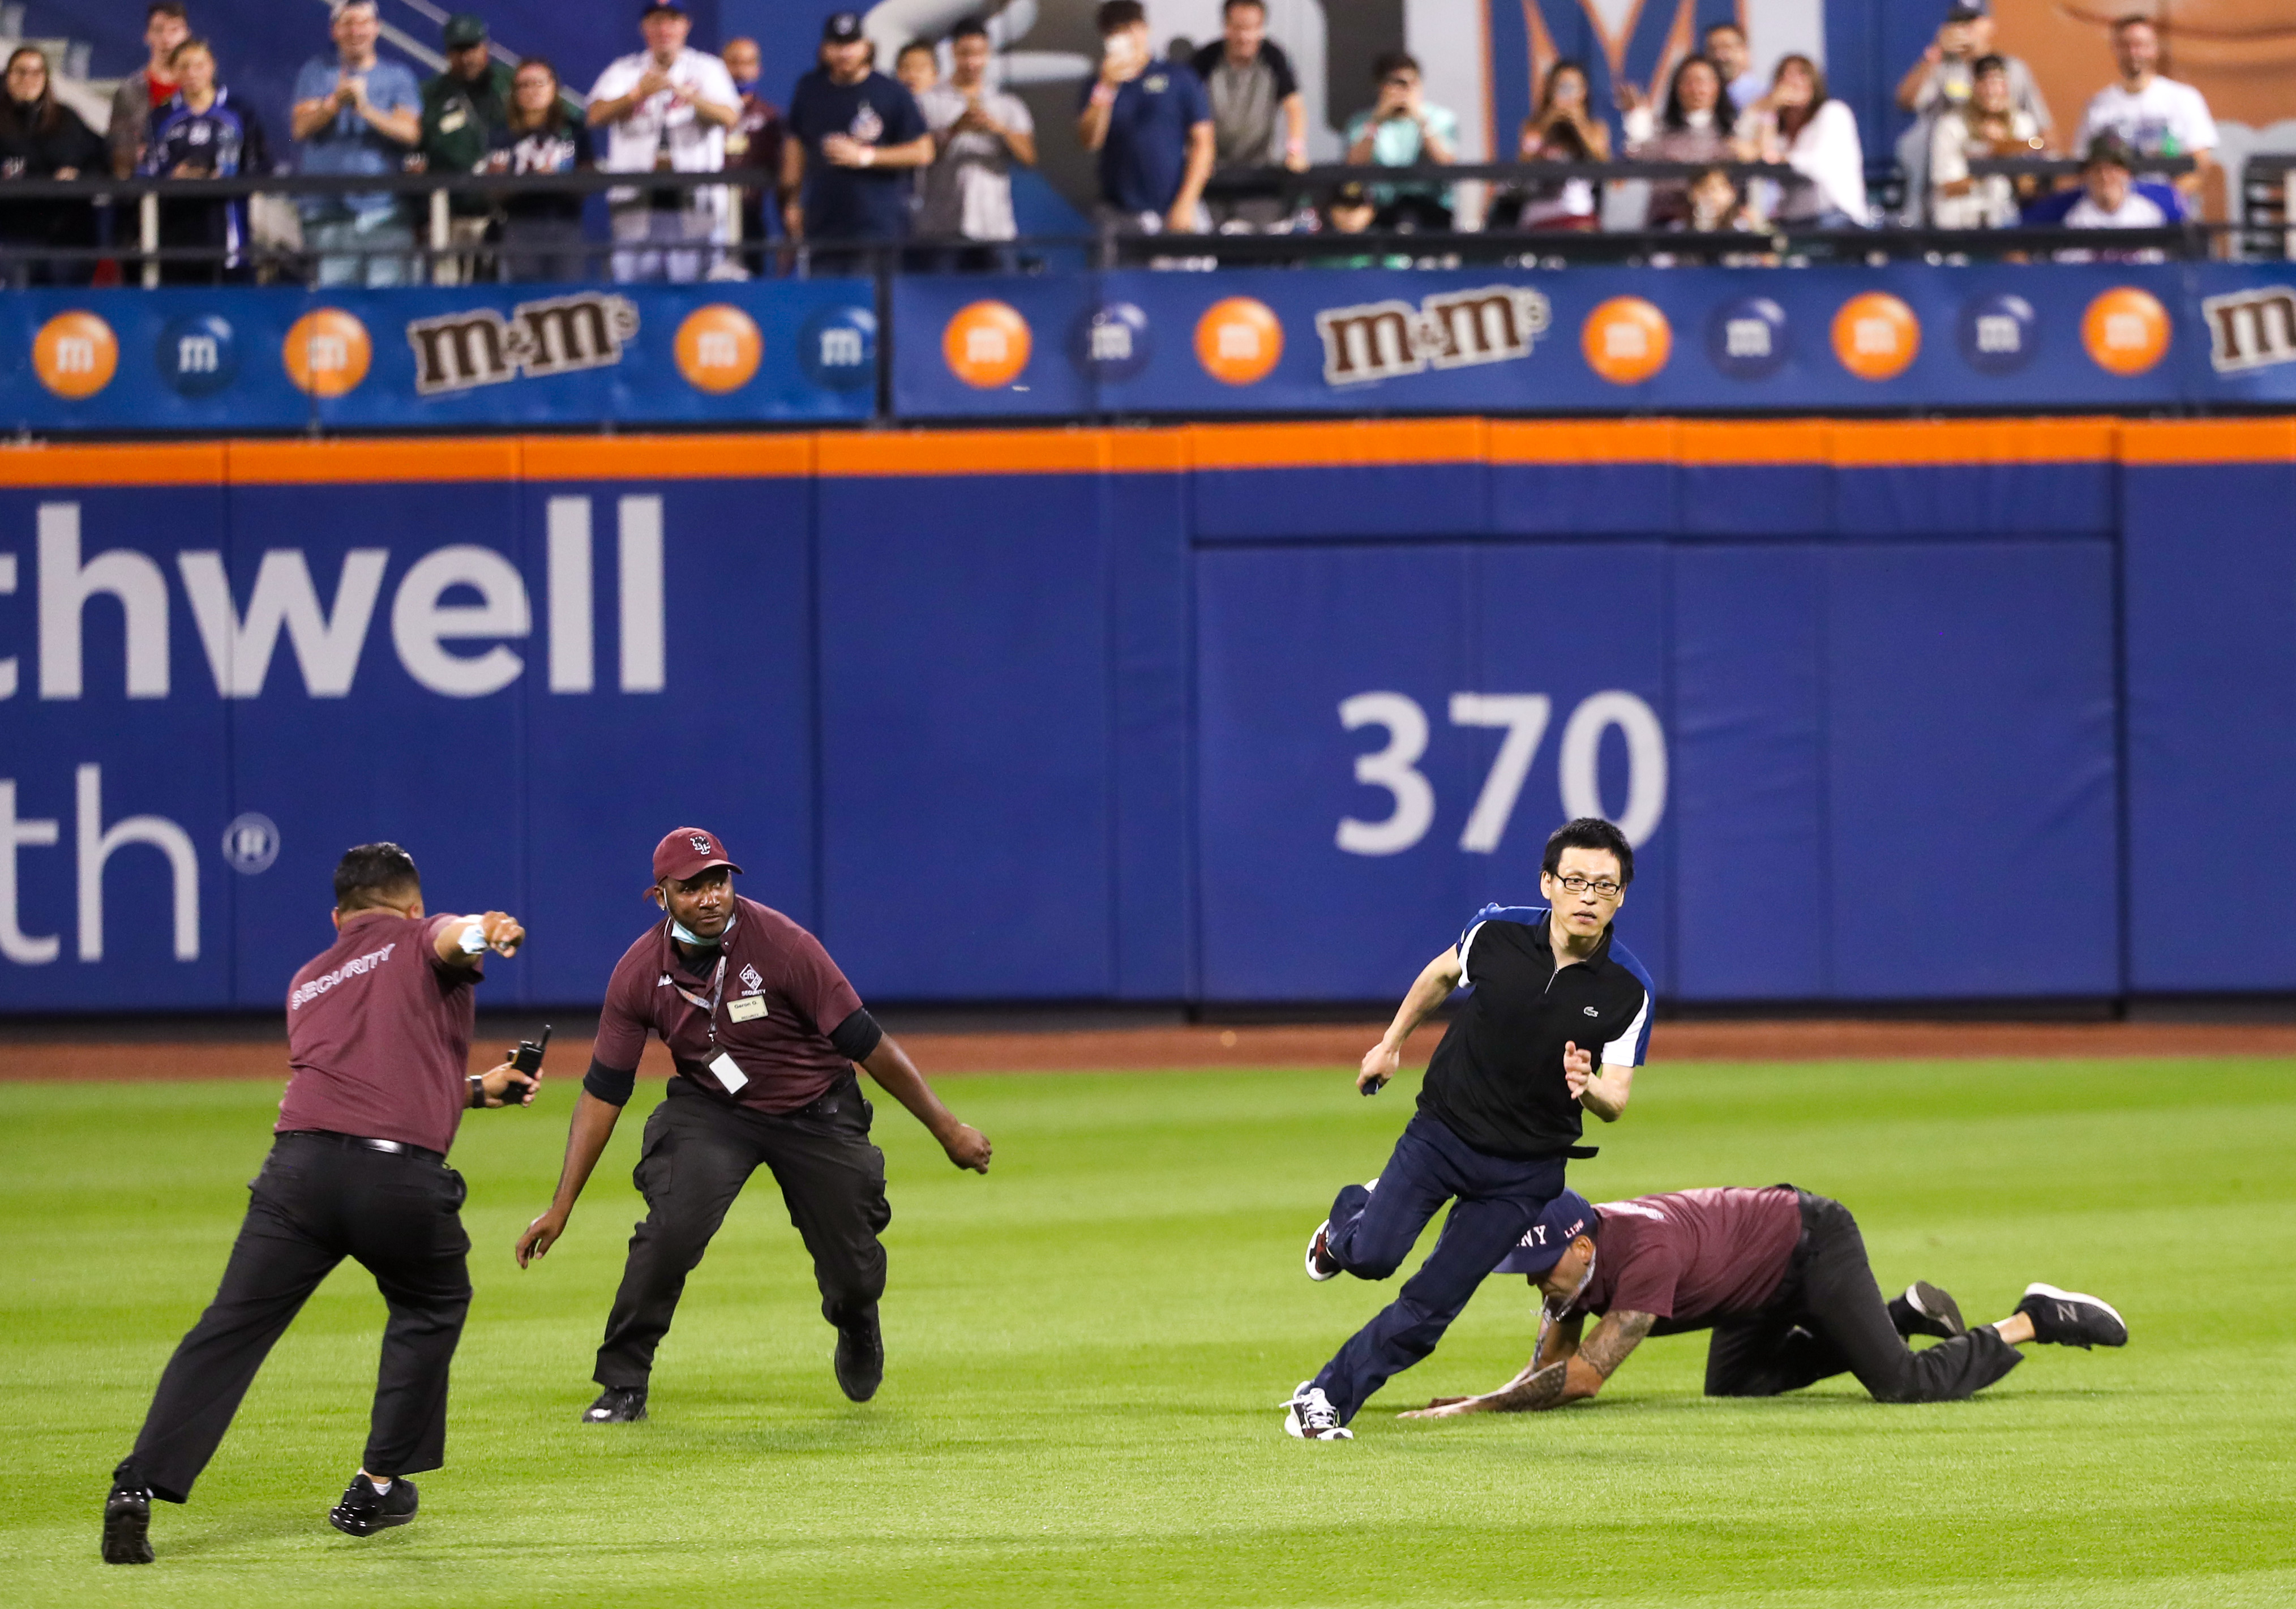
pixel 2156 117
pixel 978 132
pixel 665 108
pixel 1801 123
pixel 2111 200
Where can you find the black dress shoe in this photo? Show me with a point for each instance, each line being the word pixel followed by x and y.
pixel 1925 1310
pixel 127 1526
pixel 860 1360
pixel 363 1511
pixel 617 1405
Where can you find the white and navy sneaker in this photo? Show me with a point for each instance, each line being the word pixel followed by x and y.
pixel 1321 1265
pixel 1309 1417
pixel 363 1511
pixel 617 1405
pixel 2069 1318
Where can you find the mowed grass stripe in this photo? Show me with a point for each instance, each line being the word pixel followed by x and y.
pixel 1085 1348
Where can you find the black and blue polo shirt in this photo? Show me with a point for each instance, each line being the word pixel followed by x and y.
pixel 1496 1081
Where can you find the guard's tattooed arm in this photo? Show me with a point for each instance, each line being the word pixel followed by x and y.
pixel 1565 1370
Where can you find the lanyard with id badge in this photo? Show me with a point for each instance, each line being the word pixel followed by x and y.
pixel 747 1009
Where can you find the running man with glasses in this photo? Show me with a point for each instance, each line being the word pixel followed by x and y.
pixel 1499 1111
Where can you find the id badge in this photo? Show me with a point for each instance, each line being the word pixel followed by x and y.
pixel 729 1074
pixel 749 1008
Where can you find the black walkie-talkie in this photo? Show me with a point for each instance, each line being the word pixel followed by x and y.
pixel 528 1057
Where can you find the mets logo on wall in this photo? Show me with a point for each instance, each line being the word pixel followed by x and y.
pixel 1238 340
pixel 327 352
pixel 75 354
pixel 1455 330
pixel 2126 330
pixel 986 344
pixel 1626 341
pixel 1876 336
pixel 719 348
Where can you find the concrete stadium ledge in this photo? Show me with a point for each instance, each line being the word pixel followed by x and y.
pixel 26 1057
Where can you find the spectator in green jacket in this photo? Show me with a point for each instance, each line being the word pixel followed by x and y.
pixel 461 109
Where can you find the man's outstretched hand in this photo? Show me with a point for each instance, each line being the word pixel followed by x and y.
pixel 967 1148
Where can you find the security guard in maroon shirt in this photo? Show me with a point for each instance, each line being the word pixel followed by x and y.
pixel 764 1031
pixel 378 1043
pixel 1780 1278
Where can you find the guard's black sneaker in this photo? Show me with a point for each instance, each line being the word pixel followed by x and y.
pixel 617 1405
pixel 1925 1310
pixel 363 1511
pixel 860 1359
pixel 2069 1318
pixel 127 1526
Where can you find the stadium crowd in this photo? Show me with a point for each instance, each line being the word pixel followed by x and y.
pixel 860 158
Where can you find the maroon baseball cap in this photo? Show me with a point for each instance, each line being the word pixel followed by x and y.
pixel 687 853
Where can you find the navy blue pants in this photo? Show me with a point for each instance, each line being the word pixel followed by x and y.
pixel 1373 1231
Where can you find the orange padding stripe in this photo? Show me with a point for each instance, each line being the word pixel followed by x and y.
pixel 1843 443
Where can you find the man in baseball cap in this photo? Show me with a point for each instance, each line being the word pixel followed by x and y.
pixel 1780 1277
pixel 764 1031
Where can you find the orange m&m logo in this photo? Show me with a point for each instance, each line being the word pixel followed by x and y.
pixel 1876 336
pixel 75 354
pixel 718 349
pixel 1626 341
pixel 327 352
pixel 986 344
pixel 1238 340
pixel 2126 330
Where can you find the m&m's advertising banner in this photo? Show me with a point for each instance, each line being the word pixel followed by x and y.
pixel 1144 343
pixel 1598 341
pixel 239 359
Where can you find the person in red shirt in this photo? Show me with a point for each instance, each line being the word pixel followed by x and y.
pixel 763 1030
pixel 1780 1277
pixel 378 1047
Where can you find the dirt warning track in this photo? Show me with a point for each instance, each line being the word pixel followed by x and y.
pixel 80 1055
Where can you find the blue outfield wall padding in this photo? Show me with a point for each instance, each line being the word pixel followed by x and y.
pixel 1576 500
pixel 1970 778
pixel 2209 552
pixel 1380 501
pixel 1751 912
pixel 1028 732
pixel 967 736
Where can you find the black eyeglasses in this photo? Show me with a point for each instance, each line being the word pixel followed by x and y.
pixel 1603 889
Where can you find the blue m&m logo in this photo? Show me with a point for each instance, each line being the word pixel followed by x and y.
pixel 837 348
pixel 196 356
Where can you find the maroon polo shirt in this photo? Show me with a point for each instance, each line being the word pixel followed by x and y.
pixel 1691 1257
pixel 779 1000
pixel 379 1034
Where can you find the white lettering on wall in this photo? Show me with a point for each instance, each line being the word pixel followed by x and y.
pixel 1582 744
pixel 1524 717
pixel 645 627
pixel 420 626
pixel 573 659
pixel 326 647
pixel 7 585
pixel 66 586
pixel 97 844
pixel 16 833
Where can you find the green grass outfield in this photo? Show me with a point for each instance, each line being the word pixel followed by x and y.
pixel 1086 1349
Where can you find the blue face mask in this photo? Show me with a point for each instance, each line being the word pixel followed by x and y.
pixel 678 930
pixel 746 86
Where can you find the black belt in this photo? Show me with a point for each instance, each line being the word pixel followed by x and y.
pixel 389 1147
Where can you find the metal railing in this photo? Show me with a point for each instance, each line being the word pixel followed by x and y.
pixel 142 198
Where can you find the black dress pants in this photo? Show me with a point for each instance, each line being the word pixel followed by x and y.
pixel 318 1201
pixel 699 1151
pixel 1829 1316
